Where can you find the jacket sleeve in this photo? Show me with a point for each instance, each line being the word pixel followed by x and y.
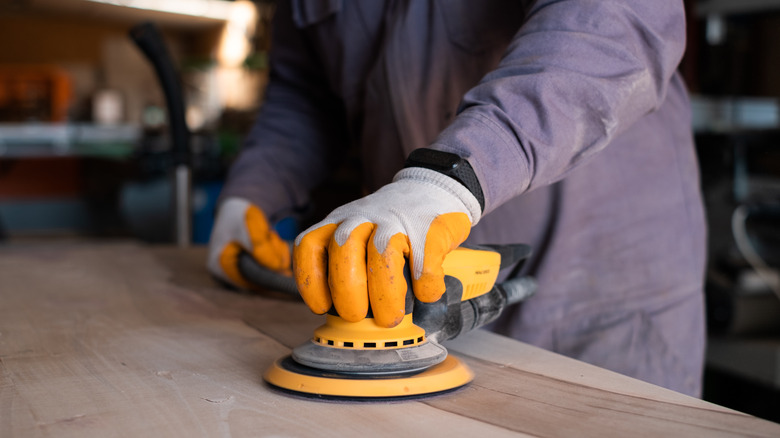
pixel 300 125
pixel 577 74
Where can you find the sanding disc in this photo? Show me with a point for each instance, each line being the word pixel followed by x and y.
pixel 353 361
pixel 286 374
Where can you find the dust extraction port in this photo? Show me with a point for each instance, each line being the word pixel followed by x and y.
pixel 351 344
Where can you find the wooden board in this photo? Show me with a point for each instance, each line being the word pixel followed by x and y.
pixel 129 340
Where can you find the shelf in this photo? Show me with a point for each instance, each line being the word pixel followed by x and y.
pixel 36 140
pixel 733 114
pixel 754 359
pixel 181 14
pixel 729 7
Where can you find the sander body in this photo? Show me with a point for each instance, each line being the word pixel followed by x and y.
pixel 363 361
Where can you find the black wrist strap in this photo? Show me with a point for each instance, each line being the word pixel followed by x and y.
pixel 448 164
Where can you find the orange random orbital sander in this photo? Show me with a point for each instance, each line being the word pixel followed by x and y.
pixel 363 361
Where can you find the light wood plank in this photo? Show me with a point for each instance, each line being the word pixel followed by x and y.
pixel 98 341
pixel 129 340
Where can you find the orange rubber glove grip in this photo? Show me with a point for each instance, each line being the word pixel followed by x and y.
pixel 352 275
pixel 310 267
pixel 266 247
pixel 446 233
pixel 356 256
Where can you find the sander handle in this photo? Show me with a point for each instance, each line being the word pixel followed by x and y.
pixel 259 275
pixel 447 318
pixel 484 309
pixel 452 316
pixel 518 289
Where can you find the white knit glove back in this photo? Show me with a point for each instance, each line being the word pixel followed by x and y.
pixel 241 226
pixel 356 255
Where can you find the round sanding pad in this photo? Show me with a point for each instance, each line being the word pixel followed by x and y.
pixel 289 375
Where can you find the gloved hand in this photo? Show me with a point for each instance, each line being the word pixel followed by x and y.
pixel 241 225
pixel 356 254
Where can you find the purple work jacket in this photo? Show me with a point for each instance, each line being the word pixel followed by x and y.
pixel 575 121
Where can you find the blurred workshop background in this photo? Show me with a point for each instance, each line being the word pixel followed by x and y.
pixel 87 148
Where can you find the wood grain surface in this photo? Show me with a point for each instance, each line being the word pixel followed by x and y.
pixel 122 339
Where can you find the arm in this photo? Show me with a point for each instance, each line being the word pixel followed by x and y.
pixel 284 157
pixel 576 75
pixel 299 127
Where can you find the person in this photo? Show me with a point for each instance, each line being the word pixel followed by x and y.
pixel 558 123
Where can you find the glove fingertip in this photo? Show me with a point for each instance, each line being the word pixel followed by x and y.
pixel 310 268
pixel 387 285
pixel 429 287
pixel 388 319
pixel 228 263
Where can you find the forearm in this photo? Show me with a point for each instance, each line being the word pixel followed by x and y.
pixel 286 153
pixel 298 130
pixel 576 75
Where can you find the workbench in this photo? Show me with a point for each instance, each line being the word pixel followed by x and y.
pixel 124 339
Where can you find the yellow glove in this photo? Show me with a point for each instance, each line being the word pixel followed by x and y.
pixel 242 226
pixel 356 255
